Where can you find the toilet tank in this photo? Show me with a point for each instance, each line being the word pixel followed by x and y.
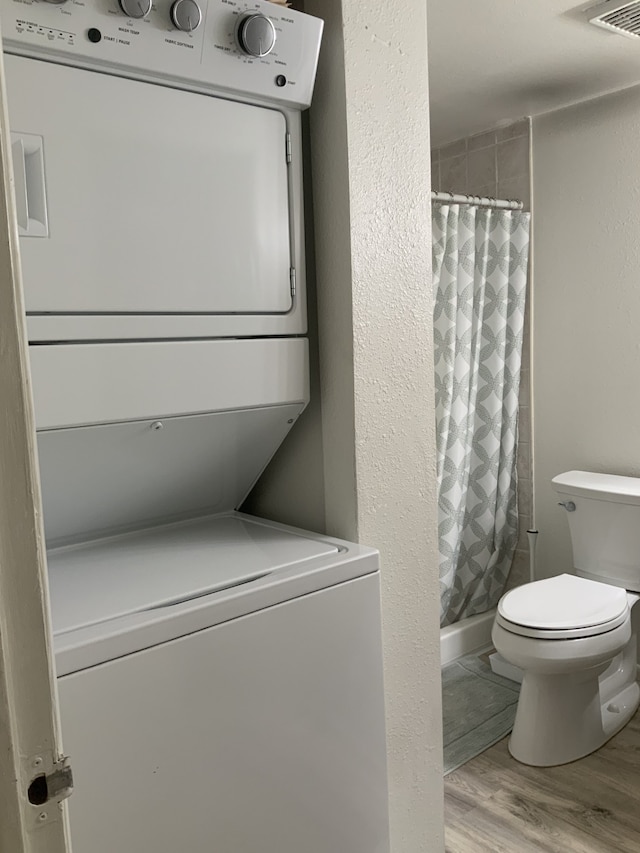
pixel 604 527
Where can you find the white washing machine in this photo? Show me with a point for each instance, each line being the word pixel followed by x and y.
pixel 220 688
pixel 220 676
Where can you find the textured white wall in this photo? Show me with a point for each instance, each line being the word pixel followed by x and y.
pixel 370 155
pixel 586 356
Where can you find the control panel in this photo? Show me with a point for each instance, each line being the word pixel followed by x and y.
pixel 254 49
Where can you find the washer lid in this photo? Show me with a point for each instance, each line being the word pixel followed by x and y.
pixel 563 602
pixel 148 569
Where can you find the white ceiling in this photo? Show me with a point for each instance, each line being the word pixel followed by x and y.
pixel 491 61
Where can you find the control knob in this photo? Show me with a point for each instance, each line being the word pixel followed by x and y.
pixel 135 8
pixel 56 2
pixel 186 15
pixel 256 35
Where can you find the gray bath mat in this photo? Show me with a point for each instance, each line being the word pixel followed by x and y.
pixel 478 709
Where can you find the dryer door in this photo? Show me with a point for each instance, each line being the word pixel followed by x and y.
pixel 157 200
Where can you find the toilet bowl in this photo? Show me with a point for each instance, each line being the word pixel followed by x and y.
pixel 573 636
pixel 579 684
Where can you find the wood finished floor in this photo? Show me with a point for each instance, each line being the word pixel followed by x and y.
pixel 495 804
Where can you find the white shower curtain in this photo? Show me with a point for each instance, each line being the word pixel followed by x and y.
pixel 480 275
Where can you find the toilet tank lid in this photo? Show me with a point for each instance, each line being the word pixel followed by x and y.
pixel 599 486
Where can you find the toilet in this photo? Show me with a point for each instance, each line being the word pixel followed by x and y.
pixel 572 635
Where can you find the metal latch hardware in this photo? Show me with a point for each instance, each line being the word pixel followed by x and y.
pixel 51 787
pixel 287 142
pixel 292 280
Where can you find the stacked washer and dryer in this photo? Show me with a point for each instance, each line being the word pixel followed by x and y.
pixel 219 675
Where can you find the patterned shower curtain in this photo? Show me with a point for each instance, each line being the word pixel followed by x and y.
pixel 480 277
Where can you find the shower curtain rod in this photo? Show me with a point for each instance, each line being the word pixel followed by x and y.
pixel 480 201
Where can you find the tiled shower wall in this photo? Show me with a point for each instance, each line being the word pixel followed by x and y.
pixel 494 164
pixel 497 164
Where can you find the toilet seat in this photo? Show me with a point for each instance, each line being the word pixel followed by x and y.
pixel 563 607
pixel 560 634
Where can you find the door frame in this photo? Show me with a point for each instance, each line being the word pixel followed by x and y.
pixel 30 742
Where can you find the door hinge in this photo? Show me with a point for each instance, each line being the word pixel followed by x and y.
pixel 47 789
pixel 287 143
pixel 292 280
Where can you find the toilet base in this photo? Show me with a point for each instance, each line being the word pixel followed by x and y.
pixel 576 693
pixel 561 717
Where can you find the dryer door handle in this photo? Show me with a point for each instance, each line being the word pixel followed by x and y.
pixel 27 151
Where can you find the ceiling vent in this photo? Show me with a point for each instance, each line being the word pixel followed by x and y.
pixel 617 17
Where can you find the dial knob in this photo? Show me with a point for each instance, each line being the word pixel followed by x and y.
pixel 135 8
pixel 56 2
pixel 256 35
pixel 186 15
